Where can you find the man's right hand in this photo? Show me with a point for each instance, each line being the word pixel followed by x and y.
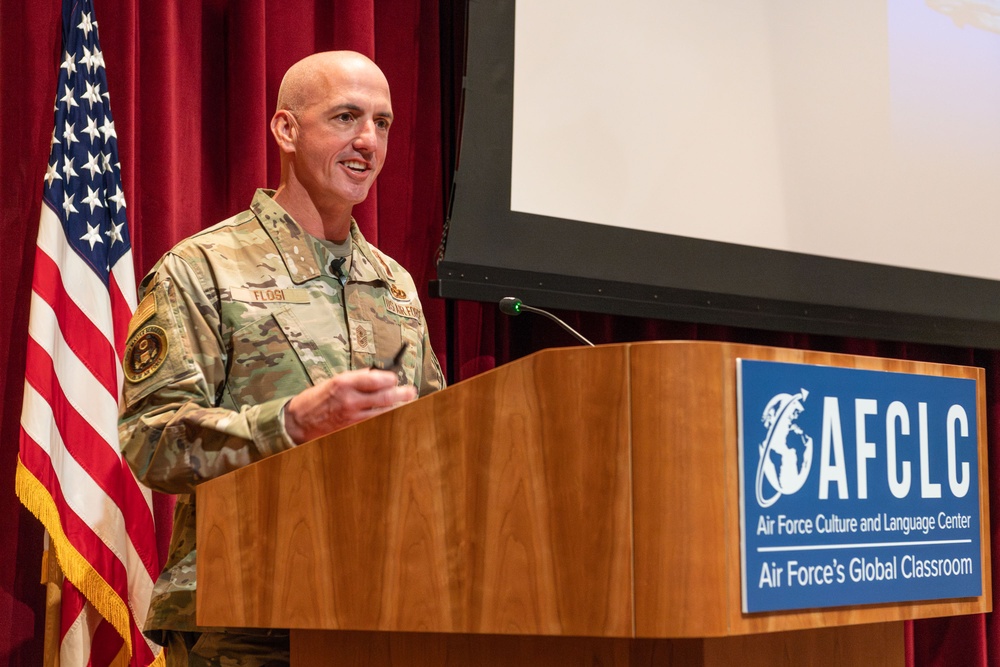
pixel 343 400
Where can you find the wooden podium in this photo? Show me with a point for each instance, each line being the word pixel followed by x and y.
pixel 578 506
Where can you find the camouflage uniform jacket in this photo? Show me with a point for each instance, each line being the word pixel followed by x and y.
pixel 233 322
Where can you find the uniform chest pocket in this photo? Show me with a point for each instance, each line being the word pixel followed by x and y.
pixel 273 358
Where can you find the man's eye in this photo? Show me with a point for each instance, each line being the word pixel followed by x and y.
pixel 345 117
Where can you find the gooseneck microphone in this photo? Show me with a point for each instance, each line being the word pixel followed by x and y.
pixel 510 305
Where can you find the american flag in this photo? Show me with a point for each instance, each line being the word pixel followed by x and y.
pixel 70 473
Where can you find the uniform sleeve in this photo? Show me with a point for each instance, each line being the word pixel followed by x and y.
pixel 427 377
pixel 431 377
pixel 171 431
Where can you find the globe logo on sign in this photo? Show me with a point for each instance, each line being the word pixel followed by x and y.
pixel 786 453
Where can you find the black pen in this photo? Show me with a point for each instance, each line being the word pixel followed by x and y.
pixel 397 364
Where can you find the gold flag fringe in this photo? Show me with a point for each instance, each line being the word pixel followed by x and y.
pixel 122 659
pixel 75 567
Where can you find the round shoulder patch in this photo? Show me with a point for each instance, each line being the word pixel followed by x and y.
pixel 145 353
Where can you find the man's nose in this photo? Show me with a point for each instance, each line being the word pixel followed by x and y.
pixel 366 138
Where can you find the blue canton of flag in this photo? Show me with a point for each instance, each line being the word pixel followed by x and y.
pixel 83 182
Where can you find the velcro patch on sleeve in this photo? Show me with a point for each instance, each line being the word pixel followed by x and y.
pixel 145 310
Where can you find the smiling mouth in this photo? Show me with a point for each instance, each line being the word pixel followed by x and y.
pixel 355 166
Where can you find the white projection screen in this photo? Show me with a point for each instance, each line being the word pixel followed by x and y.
pixel 824 167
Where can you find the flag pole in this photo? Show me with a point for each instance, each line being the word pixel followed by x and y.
pixel 52 578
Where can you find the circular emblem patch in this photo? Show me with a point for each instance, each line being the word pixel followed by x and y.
pixel 145 353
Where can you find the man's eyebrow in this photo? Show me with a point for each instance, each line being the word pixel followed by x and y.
pixel 345 106
pixel 348 106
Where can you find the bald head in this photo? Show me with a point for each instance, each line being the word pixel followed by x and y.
pixel 308 81
pixel 332 129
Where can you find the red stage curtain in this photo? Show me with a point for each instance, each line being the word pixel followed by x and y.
pixel 193 84
pixel 192 87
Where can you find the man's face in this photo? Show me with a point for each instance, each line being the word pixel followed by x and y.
pixel 342 134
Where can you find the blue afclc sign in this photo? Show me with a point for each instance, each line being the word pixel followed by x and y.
pixel 856 487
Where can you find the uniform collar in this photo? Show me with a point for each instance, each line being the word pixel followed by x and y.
pixel 302 254
pixel 367 263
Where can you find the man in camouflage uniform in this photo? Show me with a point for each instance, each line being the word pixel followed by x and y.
pixel 261 332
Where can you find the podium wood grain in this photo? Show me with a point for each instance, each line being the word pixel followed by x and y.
pixel 499 506
pixel 577 493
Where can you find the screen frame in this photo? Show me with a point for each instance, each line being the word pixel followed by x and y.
pixel 491 251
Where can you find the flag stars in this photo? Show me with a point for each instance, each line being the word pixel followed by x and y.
pixel 68 98
pixel 52 174
pixel 93 199
pixel 118 197
pixel 87 59
pixel 69 63
pixel 91 129
pixel 115 233
pixel 92 165
pixel 68 206
pixel 108 129
pixel 68 166
pixel 69 136
pixel 93 94
pixel 86 25
pixel 83 156
pixel 93 235
pixel 92 59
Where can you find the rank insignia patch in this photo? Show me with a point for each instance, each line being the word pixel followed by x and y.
pixel 397 293
pixel 363 338
pixel 145 353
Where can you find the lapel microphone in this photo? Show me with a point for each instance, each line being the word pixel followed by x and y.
pixel 337 269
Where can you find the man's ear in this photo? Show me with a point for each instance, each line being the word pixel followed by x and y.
pixel 284 129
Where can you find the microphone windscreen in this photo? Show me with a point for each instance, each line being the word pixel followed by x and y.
pixel 510 305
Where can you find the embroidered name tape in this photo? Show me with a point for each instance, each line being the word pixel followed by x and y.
pixel 269 295
pixel 402 309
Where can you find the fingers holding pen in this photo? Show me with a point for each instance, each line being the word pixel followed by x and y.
pixel 343 400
